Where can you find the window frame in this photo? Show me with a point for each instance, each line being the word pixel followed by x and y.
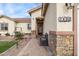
pixel 29 26
pixel 4 26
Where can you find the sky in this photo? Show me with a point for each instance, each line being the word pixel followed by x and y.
pixel 16 10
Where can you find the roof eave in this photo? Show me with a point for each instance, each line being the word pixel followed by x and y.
pixel 7 18
pixel 34 9
pixel 44 8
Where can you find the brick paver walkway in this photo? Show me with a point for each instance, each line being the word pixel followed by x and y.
pixel 33 49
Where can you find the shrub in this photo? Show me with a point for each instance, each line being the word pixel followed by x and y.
pixel 7 34
pixel 18 37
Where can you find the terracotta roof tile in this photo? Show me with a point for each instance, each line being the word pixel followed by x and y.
pixel 23 20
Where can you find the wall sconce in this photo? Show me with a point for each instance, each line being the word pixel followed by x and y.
pixel 69 5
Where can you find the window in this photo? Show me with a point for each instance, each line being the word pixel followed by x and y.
pixel 3 26
pixel 29 26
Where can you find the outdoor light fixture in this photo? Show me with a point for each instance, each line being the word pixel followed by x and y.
pixel 69 5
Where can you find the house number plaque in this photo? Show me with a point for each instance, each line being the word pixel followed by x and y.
pixel 64 19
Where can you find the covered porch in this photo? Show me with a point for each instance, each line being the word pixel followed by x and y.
pixel 39 26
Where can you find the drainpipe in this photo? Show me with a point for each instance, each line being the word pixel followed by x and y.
pixel 75 28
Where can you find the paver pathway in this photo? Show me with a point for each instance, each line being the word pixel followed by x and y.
pixel 33 49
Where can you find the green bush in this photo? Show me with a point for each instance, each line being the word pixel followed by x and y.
pixel 7 34
pixel 18 37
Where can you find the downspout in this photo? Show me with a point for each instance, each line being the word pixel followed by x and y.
pixel 75 28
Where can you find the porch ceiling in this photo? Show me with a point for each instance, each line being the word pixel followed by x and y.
pixel 39 20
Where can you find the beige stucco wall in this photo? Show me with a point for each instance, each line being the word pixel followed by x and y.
pixel 50 19
pixel 51 22
pixel 61 11
pixel 11 26
pixel 23 27
pixel 35 14
pixel 78 30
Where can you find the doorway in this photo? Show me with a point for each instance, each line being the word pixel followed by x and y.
pixel 39 27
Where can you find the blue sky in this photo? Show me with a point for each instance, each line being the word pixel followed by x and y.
pixel 16 10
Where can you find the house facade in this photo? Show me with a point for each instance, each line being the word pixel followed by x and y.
pixel 23 25
pixel 61 25
pixel 9 25
pixel 35 13
pixel 59 20
pixel 63 30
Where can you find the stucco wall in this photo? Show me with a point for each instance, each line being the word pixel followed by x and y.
pixel 50 18
pixel 11 26
pixel 23 27
pixel 78 30
pixel 59 44
pixel 51 22
pixel 61 11
pixel 35 14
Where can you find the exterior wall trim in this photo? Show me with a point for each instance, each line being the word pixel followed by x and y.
pixel 61 32
pixel 44 8
pixel 75 28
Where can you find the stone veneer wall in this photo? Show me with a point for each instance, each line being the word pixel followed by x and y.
pixel 61 45
pixel 33 34
pixel 52 43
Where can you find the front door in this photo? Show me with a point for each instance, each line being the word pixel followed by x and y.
pixel 40 30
